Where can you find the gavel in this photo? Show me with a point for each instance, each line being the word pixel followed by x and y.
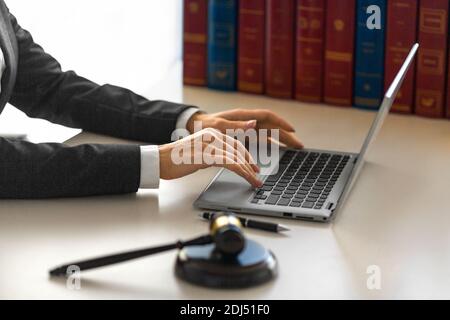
pixel 225 232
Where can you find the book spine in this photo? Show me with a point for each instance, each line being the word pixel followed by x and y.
pixel 339 52
pixel 402 27
pixel 194 42
pixel 279 70
pixel 431 63
pixel 369 57
pixel 251 46
pixel 309 49
pixel 448 73
pixel 222 40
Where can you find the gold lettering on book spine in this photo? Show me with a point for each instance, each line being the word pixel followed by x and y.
pixel 339 56
pixel 433 21
pixel 194 37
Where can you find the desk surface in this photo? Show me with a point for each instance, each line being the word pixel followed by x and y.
pixel 396 218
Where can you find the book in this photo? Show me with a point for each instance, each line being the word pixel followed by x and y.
pixel 339 52
pixel 309 50
pixel 448 75
pixel 222 42
pixel 251 36
pixel 194 42
pixel 432 57
pixel 369 56
pixel 401 36
pixel 279 69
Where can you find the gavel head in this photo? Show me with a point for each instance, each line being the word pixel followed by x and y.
pixel 226 231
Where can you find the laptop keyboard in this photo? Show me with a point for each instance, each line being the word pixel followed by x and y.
pixel 304 179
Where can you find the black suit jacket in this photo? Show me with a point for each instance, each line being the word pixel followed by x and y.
pixel 34 82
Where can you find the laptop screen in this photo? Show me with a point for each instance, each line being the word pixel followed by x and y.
pixel 385 107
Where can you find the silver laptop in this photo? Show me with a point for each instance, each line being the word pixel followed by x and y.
pixel 307 184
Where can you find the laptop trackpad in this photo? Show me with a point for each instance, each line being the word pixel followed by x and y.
pixel 228 188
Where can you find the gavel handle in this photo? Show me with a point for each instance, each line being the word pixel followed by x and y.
pixel 126 256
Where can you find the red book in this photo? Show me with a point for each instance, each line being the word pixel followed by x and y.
pixel 448 83
pixel 251 46
pixel 431 63
pixel 402 24
pixel 194 42
pixel 339 52
pixel 309 50
pixel 279 69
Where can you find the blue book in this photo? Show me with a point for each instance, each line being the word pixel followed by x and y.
pixel 222 44
pixel 369 56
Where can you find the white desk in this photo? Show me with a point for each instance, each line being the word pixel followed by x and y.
pixel 397 218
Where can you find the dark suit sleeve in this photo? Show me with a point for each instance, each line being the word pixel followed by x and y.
pixel 43 90
pixel 46 170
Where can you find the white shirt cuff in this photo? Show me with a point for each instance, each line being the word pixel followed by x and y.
pixel 150 155
pixel 149 167
pixel 184 117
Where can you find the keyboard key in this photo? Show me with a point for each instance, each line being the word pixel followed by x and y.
pixel 255 200
pixel 290 191
pixel 272 199
pixel 307 204
pixel 266 188
pixel 309 199
pixel 300 196
pixel 295 204
pixel 287 196
pixel 276 193
pixel 283 202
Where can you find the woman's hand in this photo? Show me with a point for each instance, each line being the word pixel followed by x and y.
pixel 247 119
pixel 207 148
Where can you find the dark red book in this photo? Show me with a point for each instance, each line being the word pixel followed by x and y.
pixel 402 24
pixel 194 42
pixel 279 68
pixel 431 63
pixel 339 52
pixel 309 48
pixel 251 46
pixel 448 82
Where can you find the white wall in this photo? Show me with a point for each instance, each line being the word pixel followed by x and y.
pixel 115 41
pixel 130 43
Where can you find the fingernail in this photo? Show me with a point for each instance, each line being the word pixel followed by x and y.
pixel 251 124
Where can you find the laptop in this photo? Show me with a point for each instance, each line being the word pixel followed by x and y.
pixel 306 184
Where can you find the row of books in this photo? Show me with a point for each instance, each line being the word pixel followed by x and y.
pixel 321 50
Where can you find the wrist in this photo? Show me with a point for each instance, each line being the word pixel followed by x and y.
pixel 190 126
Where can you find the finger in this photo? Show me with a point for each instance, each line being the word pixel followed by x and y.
pixel 243 151
pixel 237 147
pixel 224 124
pixel 259 115
pixel 232 142
pixel 288 138
pixel 239 169
pixel 221 155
